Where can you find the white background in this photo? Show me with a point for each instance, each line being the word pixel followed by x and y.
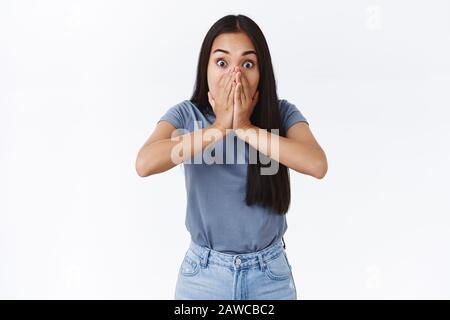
pixel 82 85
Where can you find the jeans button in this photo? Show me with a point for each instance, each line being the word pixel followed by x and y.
pixel 238 262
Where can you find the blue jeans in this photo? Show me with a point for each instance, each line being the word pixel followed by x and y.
pixel 207 274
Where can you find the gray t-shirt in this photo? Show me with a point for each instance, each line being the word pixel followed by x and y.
pixel 216 215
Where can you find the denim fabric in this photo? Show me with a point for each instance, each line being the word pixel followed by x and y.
pixel 206 274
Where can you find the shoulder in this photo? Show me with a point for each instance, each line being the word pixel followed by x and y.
pixel 178 113
pixel 182 106
pixel 286 106
pixel 186 104
pixel 290 113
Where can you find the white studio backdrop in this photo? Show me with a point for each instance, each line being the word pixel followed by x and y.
pixel 83 83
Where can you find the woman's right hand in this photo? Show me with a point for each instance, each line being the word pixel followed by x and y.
pixel 223 102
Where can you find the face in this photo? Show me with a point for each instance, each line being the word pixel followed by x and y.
pixel 230 50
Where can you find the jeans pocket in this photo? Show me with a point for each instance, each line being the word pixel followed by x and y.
pixel 278 268
pixel 190 265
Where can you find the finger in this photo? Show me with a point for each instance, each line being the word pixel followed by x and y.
pixel 231 94
pixel 230 83
pixel 237 94
pixel 224 78
pixel 228 79
pixel 245 87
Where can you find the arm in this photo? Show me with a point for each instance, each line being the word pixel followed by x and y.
pixel 161 152
pixel 298 150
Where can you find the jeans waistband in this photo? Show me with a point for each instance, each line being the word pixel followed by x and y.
pixel 237 261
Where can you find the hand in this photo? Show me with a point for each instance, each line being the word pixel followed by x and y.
pixel 223 103
pixel 244 103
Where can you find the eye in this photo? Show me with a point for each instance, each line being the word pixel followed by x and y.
pixel 251 63
pixel 219 60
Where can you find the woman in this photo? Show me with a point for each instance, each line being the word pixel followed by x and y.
pixel 236 210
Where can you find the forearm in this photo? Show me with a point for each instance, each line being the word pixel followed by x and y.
pixel 298 156
pixel 162 155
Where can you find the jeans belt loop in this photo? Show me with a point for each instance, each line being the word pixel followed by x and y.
pixel 204 261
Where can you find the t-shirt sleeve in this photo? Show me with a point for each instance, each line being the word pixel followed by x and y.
pixel 290 114
pixel 174 115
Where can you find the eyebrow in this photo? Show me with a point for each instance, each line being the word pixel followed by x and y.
pixel 243 53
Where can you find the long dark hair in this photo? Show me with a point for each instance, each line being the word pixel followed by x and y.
pixel 266 190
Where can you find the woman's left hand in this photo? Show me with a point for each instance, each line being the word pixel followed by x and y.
pixel 244 103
